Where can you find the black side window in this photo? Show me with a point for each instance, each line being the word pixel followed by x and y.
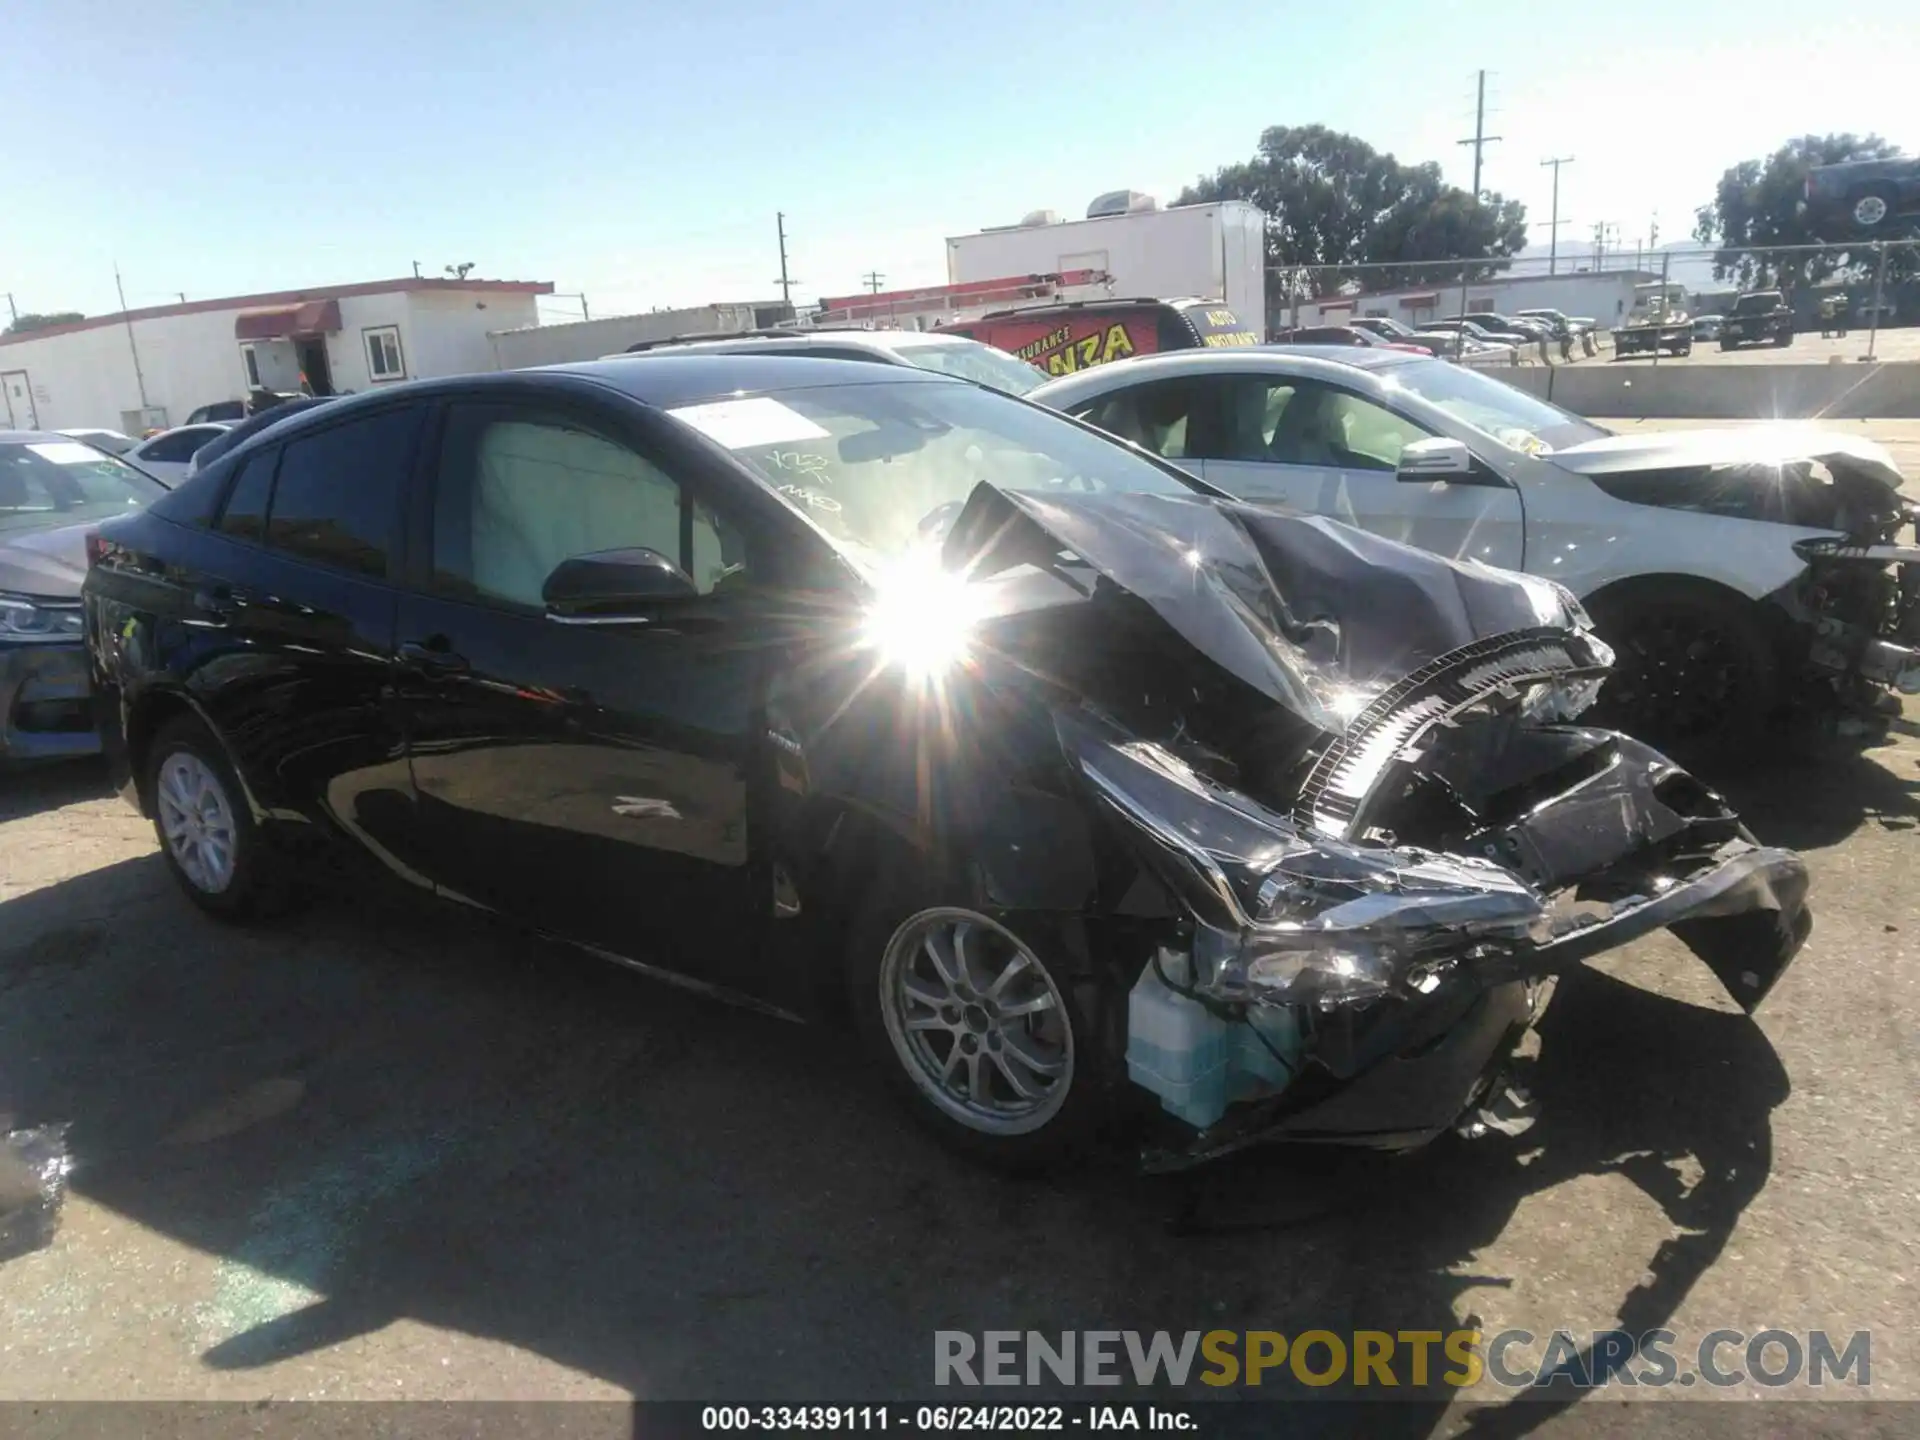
pixel 337 497
pixel 178 446
pixel 245 514
pixel 1157 417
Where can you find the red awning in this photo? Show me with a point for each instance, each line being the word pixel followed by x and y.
pixel 281 322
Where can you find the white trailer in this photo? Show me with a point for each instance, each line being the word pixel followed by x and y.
pixel 1207 252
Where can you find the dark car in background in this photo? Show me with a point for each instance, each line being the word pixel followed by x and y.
pixel 798 679
pixel 1868 195
pixel 53 491
pixel 1759 317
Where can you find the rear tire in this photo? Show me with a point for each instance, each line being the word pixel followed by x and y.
pixel 206 829
pixel 1695 667
pixel 958 1049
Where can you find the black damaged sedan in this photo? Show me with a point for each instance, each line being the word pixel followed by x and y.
pixel 1108 805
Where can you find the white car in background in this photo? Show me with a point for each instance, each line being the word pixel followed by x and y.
pixel 1737 573
pixel 111 441
pixel 166 456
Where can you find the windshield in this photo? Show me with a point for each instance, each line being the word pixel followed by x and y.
pixel 884 467
pixel 1512 417
pixel 1752 304
pixel 970 360
pixel 63 482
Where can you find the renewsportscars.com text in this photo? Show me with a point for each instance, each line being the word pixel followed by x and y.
pixel 1517 1359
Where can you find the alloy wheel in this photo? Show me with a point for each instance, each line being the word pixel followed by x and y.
pixel 977 1021
pixel 197 819
pixel 1685 679
pixel 1869 210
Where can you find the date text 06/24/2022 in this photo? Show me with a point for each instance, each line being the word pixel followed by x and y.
pixel 944 1419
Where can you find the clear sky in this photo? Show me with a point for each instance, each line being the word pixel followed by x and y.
pixel 638 151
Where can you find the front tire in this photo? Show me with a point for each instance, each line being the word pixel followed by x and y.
pixel 1871 209
pixel 988 1033
pixel 206 830
pixel 1695 667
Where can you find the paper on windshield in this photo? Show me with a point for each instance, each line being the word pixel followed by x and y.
pixel 745 424
pixel 66 452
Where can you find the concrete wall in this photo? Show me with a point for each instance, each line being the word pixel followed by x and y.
pixel 590 339
pixel 1729 392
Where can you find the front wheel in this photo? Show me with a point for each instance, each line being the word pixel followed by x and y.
pixel 1870 210
pixel 1694 666
pixel 987 1035
pixel 206 830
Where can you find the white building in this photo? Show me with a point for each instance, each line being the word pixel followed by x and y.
pixel 1215 251
pixel 1604 296
pixel 153 367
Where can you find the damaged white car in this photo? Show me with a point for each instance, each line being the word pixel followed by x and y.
pixel 1743 576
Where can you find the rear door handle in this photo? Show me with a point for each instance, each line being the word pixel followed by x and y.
pixel 431 657
pixel 217 603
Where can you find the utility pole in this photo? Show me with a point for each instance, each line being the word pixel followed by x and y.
pixel 872 281
pixel 1553 228
pixel 13 309
pixel 133 349
pixel 786 281
pixel 1480 139
pixel 416 269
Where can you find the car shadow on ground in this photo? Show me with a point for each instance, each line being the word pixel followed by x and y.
pixel 1809 803
pixel 27 790
pixel 394 1110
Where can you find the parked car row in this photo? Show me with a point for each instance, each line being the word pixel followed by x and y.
pixel 1107 803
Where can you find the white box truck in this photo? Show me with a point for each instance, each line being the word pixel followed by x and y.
pixel 1209 252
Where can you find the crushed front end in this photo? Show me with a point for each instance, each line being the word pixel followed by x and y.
pixel 1379 827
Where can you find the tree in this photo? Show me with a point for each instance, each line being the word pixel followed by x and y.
pixel 1755 211
pixel 1332 199
pixel 42 322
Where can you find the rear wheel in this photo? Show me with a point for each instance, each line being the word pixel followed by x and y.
pixel 206 831
pixel 1694 666
pixel 989 1036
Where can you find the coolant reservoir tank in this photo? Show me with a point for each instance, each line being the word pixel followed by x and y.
pixel 1198 1062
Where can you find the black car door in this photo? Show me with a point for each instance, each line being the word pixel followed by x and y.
pixel 284 631
pixel 591 779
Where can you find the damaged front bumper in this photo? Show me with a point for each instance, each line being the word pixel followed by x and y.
pixel 1333 991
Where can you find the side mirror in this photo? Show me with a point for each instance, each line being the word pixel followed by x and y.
pixel 1436 459
pixel 614 582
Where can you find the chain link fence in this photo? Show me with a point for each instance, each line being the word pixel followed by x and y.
pixel 1624 302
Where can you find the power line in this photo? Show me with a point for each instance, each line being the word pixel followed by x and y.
pixel 1553 232
pixel 1480 139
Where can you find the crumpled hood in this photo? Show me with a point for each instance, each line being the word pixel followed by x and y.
pixel 1742 445
pixel 1316 615
pixel 51 563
